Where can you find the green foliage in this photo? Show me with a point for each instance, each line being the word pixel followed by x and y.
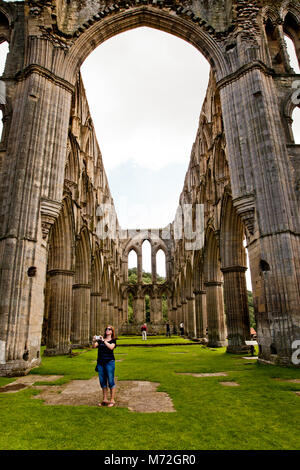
pixel 147 308
pixel 251 309
pixel 146 277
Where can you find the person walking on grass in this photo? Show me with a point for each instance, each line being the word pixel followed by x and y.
pixel 144 331
pixel 106 364
pixel 168 332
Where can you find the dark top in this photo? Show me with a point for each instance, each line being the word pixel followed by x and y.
pixel 104 353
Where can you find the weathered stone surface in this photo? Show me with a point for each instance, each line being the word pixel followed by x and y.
pixel 61 279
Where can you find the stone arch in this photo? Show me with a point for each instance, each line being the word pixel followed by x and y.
pixel 5 21
pixel 98 29
pixel 234 266
pixel 82 291
pixel 60 275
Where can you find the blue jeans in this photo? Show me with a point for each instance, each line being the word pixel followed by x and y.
pixel 106 372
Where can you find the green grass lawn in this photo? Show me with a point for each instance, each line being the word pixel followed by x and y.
pixel 262 413
pixel 159 339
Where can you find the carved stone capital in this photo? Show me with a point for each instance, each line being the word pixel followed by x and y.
pixel 49 211
pixel 245 207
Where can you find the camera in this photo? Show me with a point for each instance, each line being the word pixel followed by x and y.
pixel 97 337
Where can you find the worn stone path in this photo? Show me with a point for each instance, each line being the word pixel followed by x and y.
pixel 138 396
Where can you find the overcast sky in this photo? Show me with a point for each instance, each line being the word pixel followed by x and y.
pixel 145 90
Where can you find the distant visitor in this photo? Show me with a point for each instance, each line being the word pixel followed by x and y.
pixel 144 331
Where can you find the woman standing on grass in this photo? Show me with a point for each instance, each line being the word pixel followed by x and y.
pixel 106 364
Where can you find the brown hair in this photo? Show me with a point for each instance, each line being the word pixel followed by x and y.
pixel 112 332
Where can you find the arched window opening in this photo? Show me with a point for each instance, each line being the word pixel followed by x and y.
pixel 249 289
pixel 161 266
pixel 292 54
pixel 296 125
pixel 132 267
pixel 291 30
pixel 4 48
pixel 276 53
pixel 146 262
pixel 147 308
pixel 155 66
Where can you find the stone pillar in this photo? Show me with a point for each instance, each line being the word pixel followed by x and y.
pixel 180 317
pixel 95 324
pixel 191 316
pixel 80 336
pixel 116 320
pixel 139 268
pixel 236 308
pixel 104 314
pixel 139 310
pixel 31 188
pixel 153 266
pixel 110 312
pixel 184 315
pixel 215 314
pixel 156 308
pixel 60 312
pixel 264 195
pixel 201 314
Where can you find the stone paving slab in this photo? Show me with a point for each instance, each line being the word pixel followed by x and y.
pixel 138 396
pixel 27 381
pixel 210 374
pixel 230 384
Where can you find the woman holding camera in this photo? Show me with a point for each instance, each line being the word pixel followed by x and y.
pixel 106 364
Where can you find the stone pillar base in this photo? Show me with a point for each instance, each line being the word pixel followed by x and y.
pixel 217 344
pixel 235 349
pixel 18 368
pixel 57 352
pixel 81 346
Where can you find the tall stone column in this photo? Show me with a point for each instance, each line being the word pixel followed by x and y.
pixel 180 316
pixel 31 188
pixel 201 314
pixel 139 268
pixel 60 312
pixel 191 315
pixel 264 195
pixel 236 306
pixel 139 310
pixel 95 323
pixel 80 337
pixel 184 315
pixel 104 314
pixel 156 309
pixel 215 314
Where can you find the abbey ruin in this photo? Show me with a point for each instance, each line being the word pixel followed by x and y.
pixel 59 279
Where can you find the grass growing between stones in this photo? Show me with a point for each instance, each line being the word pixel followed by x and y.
pixel 262 413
